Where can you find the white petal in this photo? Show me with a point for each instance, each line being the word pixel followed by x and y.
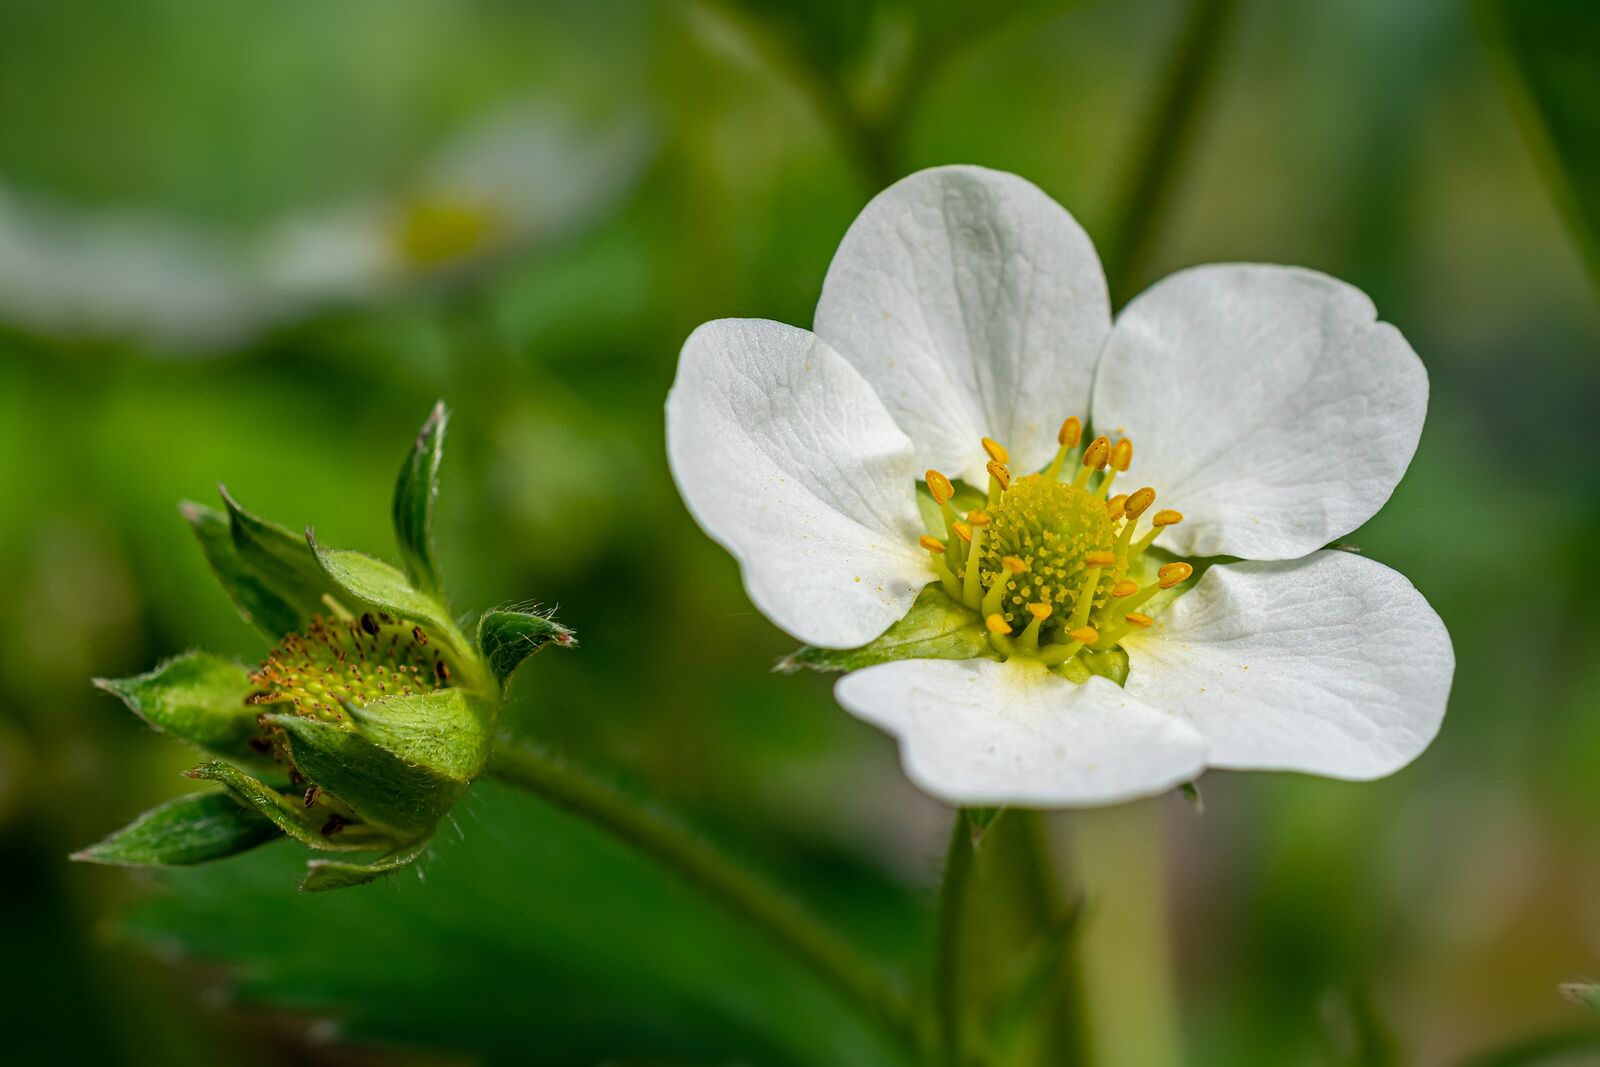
pixel 1267 404
pixel 787 459
pixel 975 305
pixel 984 732
pixel 1332 664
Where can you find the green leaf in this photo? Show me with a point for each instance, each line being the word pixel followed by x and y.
pixel 936 627
pixel 506 637
pixel 291 816
pixel 414 493
pixel 442 731
pixel 1546 54
pixel 536 939
pixel 324 874
pixel 198 697
pixel 259 605
pixel 375 584
pixel 376 784
pixel 281 560
pixel 194 829
pixel 1585 993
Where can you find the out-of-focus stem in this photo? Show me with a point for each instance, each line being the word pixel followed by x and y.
pixel 948 1002
pixel 858 981
pixel 1164 139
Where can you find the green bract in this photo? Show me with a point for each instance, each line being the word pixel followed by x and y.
pixel 366 721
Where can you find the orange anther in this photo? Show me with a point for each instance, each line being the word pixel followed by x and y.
pixel 1126 587
pixel 1071 432
pixel 1098 453
pixel 997 623
pixel 1100 559
pixel 996 450
pixel 1139 502
pixel 1138 618
pixel 1087 634
pixel 932 544
pixel 978 517
pixel 998 472
pixel 963 531
pixel 1121 454
pixel 939 486
pixel 1013 564
pixel 1040 611
pixel 1173 573
pixel 1166 517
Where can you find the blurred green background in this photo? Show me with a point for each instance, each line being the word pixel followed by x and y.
pixel 254 242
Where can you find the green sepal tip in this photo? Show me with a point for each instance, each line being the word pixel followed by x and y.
pixel 197 828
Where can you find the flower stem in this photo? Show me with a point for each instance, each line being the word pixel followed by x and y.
pixel 858 982
pixel 948 1003
pixel 1070 1037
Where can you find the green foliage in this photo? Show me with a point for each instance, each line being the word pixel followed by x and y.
pixel 534 940
pixel 936 627
pixel 1547 51
pixel 506 637
pixel 194 829
pixel 414 494
pixel 196 697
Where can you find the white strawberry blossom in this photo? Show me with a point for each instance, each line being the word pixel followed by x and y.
pixel 912 444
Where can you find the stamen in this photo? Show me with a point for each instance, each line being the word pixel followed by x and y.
pixel 947 578
pixel 939 486
pixel 1159 521
pixel 1095 561
pixel 1013 566
pixel 999 480
pixel 1067 438
pixel 1117 506
pixel 998 630
pixel 1174 574
pixel 996 450
pixel 932 544
pixel 1029 641
pixel 1139 619
pixel 971 586
pixel 1121 456
pixel 1094 459
pixel 962 530
pixel 1125 588
pixel 1053 655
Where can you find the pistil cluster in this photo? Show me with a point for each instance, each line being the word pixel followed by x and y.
pixel 340 661
pixel 1053 562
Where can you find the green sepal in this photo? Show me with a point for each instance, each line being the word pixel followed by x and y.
pixel 442 731
pixel 288 814
pixel 197 697
pixel 979 820
pixel 194 829
pixel 1585 993
pixel 1111 664
pixel 506 637
pixel 281 560
pixel 324 874
pixel 936 627
pixel 258 604
pixel 414 493
pixel 373 782
pixel 372 583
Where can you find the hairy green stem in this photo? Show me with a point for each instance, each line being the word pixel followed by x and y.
pixel 949 1005
pixel 1070 1036
pixel 858 981
pixel 1167 132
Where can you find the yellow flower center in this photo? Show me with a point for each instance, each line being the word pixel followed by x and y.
pixel 1055 566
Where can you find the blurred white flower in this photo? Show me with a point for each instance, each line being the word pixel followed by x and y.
pixel 524 175
pixel 997 618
